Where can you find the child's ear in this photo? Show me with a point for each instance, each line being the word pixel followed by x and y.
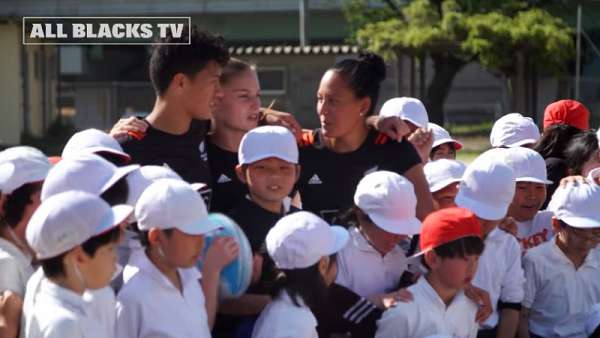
pixel 323 265
pixel 432 259
pixel 240 172
pixel 556 225
pixel 79 254
pixel 153 235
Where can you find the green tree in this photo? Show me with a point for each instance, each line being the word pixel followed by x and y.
pixel 507 37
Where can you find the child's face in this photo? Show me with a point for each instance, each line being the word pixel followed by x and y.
pixel 579 240
pixel 100 268
pixel 239 106
pixel 444 198
pixel 180 249
pixel 457 272
pixel 444 150
pixel 270 180
pixel 380 239
pixel 528 200
pixel 198 92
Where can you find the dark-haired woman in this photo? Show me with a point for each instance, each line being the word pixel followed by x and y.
pixel 582 153
pixel 336 156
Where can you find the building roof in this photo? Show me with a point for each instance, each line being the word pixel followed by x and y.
pixel 293 50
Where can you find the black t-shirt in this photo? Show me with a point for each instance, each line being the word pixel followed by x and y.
pixel 328 179
pixel 227 189
pixel 186 154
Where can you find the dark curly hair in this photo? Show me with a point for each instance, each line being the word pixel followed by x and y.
pixel 168 60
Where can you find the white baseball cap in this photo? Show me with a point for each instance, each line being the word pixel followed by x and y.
pixel 22 165
pixel 514 130
pixel 141 179
pixel 300 239
pixel 441 136
pixel 268 141
pixel 576 205
pixel 93 141
pixel 68 219
pixel 171 203
pixel 487 187
pixel 593 174
pixel 528 164
pixel 86 172
pixel 406 108
pixel 390 202
pixel 593 320
pixel 440 173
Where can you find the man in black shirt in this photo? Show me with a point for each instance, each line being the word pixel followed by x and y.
pixel 186 80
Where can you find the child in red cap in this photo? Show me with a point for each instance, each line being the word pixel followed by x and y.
pixel 450 247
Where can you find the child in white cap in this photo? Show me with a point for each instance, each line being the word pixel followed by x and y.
pixel 409 109
pixel 562 274
pixel 22 172
pixel 163 295
pixel 450 247
pixel 487 189
pixel 514 130
pixel 94 141
pixel 373 262
pixel 444 146
pixel 443 177
pixel 74 235
pixel 268 167
pixel 303 247
pixel 533 227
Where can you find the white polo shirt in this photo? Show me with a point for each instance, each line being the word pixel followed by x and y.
pixel 500 272
pixel 535 231
pixel 15 268
pixel 284 319
pixel 428 315
pixel 363 270
pixel 558 295
pixel 51 311
pixel 149 305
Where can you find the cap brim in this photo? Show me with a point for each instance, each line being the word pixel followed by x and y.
pixel 410 226
pixel 108 150
pixel 199 186
pixel 442 184
pixel 533 179
pixel 457 145
pixel 521 143
pixel 593 174
pixel 411 120
pixel 119 173
pixel 250 160
pixel 341 237
pixel 201 226
pixel 580 222
pixel 482 210
pixel 116 216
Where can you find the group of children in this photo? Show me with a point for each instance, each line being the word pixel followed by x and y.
pixel 92 245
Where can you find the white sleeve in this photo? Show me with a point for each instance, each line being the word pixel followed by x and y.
pixel 128 319
pixel 9 278
pixel 512 290
pixel 394 323
pixel 531 280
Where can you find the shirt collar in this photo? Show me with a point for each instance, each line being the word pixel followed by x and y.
pixel 64 296
pixel 362 244
pixel 14 251
pixel 432 295
pixel 142 263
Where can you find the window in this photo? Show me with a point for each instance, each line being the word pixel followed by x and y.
pixel 272 80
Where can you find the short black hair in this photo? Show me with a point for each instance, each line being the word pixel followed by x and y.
pixel 462 247
pixel 143 234
pixel 363 75
pixel 91 245
pixel 168 60
pixel 54 266
pixel 303 285
pixel 117 193
pixel 580 149
pixel 434 149
pixel 17 201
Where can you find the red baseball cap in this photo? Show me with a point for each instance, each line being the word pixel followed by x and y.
pixel 569 112
pixel 446 225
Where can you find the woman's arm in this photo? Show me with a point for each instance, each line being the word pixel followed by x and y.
pixel 424 200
